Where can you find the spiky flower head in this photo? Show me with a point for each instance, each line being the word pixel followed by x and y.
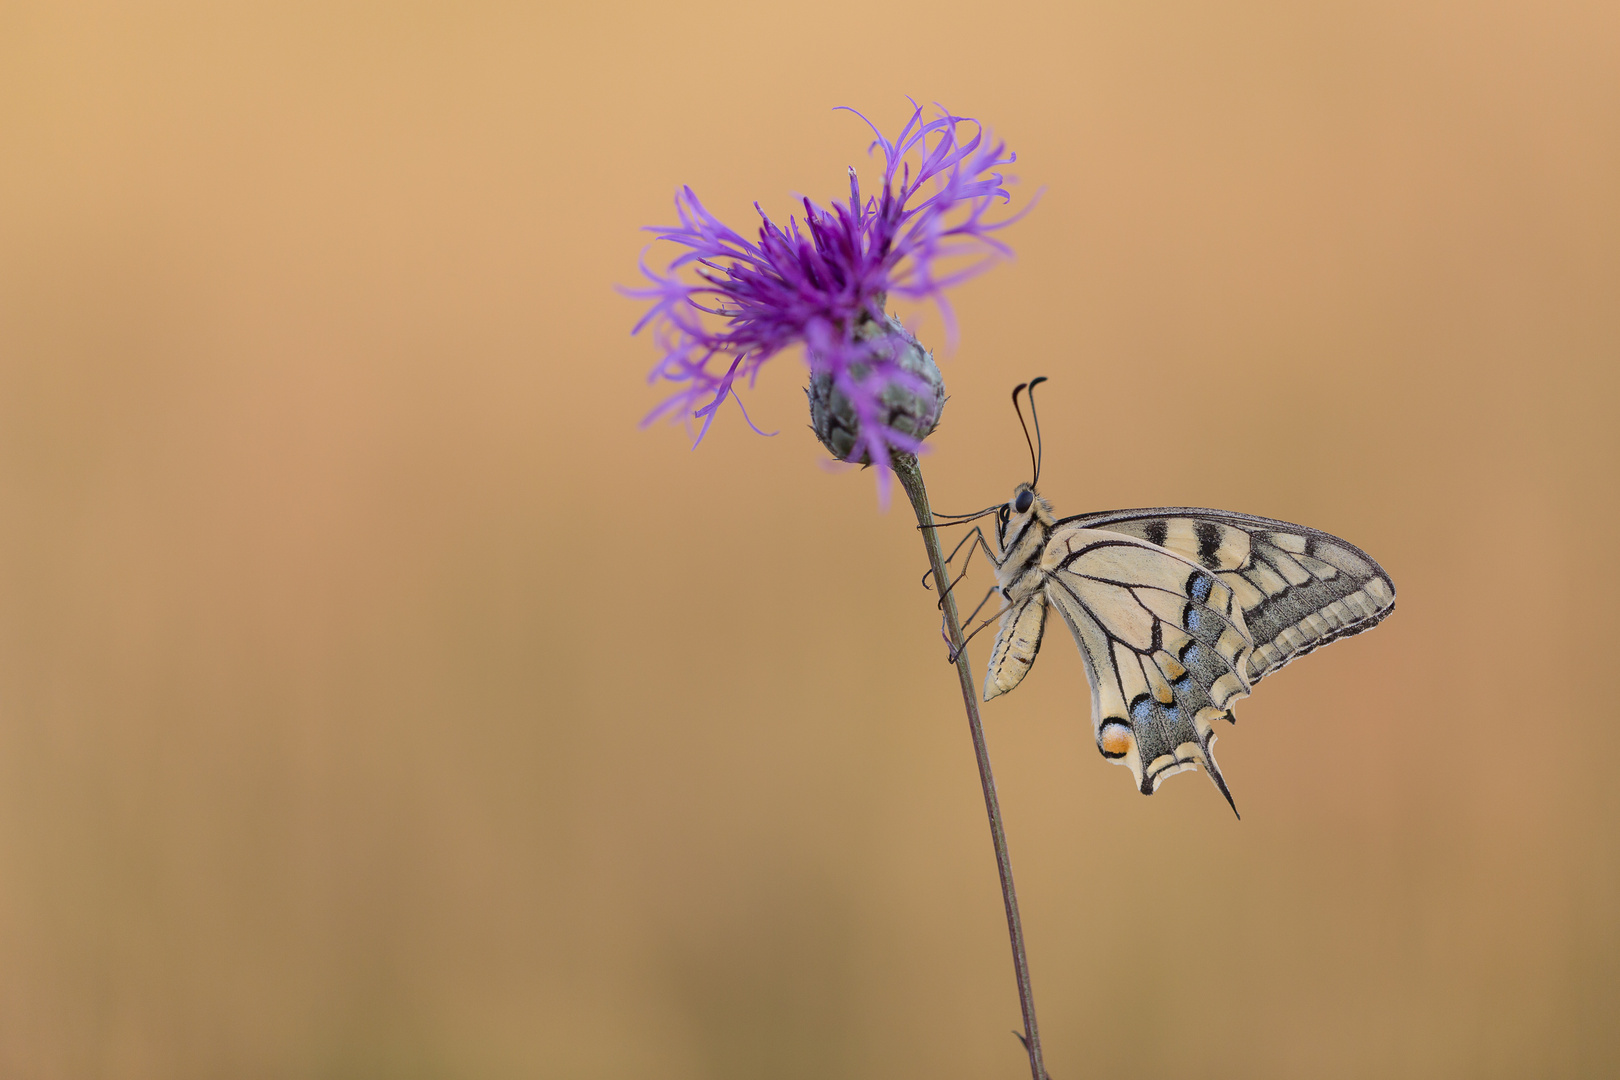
pixel 725 305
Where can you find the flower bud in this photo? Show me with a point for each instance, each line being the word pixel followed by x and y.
pixel 907 408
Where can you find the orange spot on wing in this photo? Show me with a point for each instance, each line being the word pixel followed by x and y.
pixel 1116 740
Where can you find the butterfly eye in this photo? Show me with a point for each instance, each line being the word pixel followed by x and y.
pixel 1024 499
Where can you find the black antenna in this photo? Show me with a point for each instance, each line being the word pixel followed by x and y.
pixel 1033 415
pixel 1034 459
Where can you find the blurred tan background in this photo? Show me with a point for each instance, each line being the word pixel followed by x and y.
pixel 377 701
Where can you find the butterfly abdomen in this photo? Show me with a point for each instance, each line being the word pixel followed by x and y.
pixel 1017 643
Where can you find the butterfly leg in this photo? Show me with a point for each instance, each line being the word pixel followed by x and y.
pixel 954 651
pixel 976 534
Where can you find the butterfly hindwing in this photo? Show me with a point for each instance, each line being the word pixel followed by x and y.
pixel 1165 643
pixel 1299 588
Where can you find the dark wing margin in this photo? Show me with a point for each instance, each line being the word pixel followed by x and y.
pixel 1299 588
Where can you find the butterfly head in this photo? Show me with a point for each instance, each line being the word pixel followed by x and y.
pixel 1014 517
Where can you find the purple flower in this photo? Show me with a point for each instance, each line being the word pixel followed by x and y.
pixel 823 282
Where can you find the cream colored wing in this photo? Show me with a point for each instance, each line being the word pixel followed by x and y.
pixel 1018 639
pixel 1299 588
pixel 1165 645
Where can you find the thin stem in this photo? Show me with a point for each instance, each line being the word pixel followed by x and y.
pixel 905 467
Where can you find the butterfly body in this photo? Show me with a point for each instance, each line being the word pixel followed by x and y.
pixel 1177 612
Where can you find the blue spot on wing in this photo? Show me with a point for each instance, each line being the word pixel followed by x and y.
pixel 1191 618
pixel 1141 708
pixel 1199 586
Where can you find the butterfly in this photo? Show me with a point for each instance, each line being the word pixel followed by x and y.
pixel 1178 611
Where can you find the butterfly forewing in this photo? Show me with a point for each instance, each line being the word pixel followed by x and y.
pixel 1299 588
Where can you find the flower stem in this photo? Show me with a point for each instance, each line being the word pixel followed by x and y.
pixel 906 468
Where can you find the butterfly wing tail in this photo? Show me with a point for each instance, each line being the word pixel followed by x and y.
pixel 1206 749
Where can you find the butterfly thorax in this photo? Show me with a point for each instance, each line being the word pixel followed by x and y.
pixel 1021 537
